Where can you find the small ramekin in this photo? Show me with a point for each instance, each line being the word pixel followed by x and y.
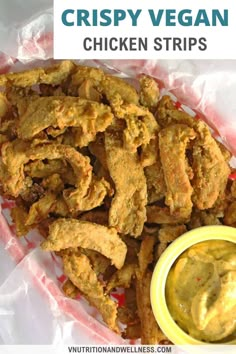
pixel 161 312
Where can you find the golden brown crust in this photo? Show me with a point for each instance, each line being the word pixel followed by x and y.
pixel 66 233
pixel 127 213
pixel 173 142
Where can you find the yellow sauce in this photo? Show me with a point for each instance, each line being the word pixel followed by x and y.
pixel 201 291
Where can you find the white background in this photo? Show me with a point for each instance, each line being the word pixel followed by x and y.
pixel 68 41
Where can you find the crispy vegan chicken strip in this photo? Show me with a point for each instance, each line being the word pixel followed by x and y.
pixel 41 169
pixel 19 216
pixel 96 193
pixel 230 215
pixel 173 142
pixel 167 234
pixel 53 75
pixel 4 105
pixel 151 333
pixel 60 112
pixel 66 233
pixel 156 186
pixel 70 289
pixel 17 153
pixel 78 269
pixel 149 153
pixel 149 92
pixel 96 216
pixel 98 262
pixel 87 91
pixel 97 148
pixel 210 169
pixel 40 209
pixel 83 73
pixel 159 215
pixel 107 85
pixel 167 114
pixel 122 278
pixel 112 86
pixel 141 126
pixel 145 256
pixel 13 158
pixel 127 213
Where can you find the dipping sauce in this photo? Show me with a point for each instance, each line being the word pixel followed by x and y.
pixel 201 291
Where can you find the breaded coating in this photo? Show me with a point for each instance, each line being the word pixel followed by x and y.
pixel 70 289
pixel 127 213
pixel 233 189
pixel 66 233
pixel 127 316
pixel 96 193
pixel 210 169
pixel 98 262
pixel 111 86
pixel 122 278
pixel 133 247
pixel 107 85
pixel 149 92
pixel 12 166
pixel 19 216
pixel 173 142
pixel 31 192
pixel 130 302
pixel 79 271
pixel 97 148
pixel 61 112
pixel 40 209
pixel 60 208
pixel 162 215
pixel 53 183
pixel 88 91
pixel 83 73
pixel 167 114
pixel 145 256
pixel 96 216
pixel 132 331
pixel 55 132
pixel 3 139
pixel 156 186
pixel 141 126
pixel 230 215
pixel 53 75
pixel 4 105
pixel 17 153
pixel 167 234
pixel 150 152
pixel 202 218
pixel 42 169
pixel 150 332
pixel 225 152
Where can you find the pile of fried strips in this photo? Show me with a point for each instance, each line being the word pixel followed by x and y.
pixel 109 175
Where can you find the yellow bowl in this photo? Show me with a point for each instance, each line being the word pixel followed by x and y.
pixel 163 317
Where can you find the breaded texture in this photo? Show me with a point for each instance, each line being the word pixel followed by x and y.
pixel 173 142
pixel 66 233
pixel 127 213
pixel 61 112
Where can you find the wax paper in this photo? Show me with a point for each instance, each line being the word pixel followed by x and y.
pixel 33 309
